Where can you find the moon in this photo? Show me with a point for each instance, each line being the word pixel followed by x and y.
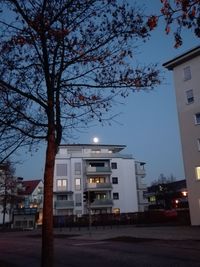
pixel 96 140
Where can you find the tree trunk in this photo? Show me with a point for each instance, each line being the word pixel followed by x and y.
pixel 4 208
pixel 47 259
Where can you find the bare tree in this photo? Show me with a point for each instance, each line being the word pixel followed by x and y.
pixel 8 188
pixel 62 65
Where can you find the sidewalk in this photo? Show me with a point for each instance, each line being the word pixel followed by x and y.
pixel 161 232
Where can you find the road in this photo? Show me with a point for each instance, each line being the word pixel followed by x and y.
pixel 23 250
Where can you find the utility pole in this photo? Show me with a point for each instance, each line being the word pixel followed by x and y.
pixel 89 212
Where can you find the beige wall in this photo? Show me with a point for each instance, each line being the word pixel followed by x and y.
pixel 189 131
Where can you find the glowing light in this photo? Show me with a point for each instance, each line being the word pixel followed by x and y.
pixel 95 140
pixel 184 193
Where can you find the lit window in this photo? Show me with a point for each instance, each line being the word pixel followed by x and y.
pixel 97 180
pixel 116 211
pixel 190 96
pixel 61 184
pixel 197 118
pixel 115 180
pixel 187 73
pixel 198 173
pixel 113 165
pixel 77 184
pixel 115 195
pixel 152 199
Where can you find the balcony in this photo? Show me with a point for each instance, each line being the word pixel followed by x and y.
pixel 99 186
pixel 95 170
pixel 101 203
pixel 64 204
pixel 140 171
pixel 141 186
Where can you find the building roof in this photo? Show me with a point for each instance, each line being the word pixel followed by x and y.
pixel 176 185
pixel 114 148
pixel 29 186
pixel 190 54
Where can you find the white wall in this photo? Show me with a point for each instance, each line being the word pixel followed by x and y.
pixel 126 186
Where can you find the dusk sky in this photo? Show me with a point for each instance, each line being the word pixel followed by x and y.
pixel 147 124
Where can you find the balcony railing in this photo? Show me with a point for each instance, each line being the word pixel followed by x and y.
pixel 64 204
pixel 95 170
pixel 99 186
pixel 102 203
pixel 140 171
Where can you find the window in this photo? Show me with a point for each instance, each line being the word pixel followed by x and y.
pixel 97 180
pixel 61 169
pixel 77 168
pixel 198 143
pixel 197 172
pixel 78 200
pixel 189 96
pixel 97 164
pixel 152 199
pixel 187 73
pixel 115 180
pixel 116 211
pixel 77 184
pixel 197 118
pixel 114 165
pixel 61 184
pixel 115 195
pixel 100 196
pixel 62 197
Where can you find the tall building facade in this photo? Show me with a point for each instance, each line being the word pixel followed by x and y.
pixel 186 71
pixel 100 169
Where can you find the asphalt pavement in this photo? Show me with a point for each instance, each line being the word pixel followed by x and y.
pixel 23 248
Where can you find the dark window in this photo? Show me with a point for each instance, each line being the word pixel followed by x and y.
pixel 114 165
pixel 197 118
pixel 115 180
pixel 61 169
pixel 187 73
pixel 115 195
pixel 97 164
pixel 77 168
pixel 62 197
pixel 189 96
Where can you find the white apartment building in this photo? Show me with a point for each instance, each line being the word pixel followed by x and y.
pixel 186 71
pixel 101 169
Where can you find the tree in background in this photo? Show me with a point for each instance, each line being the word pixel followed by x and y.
pixel 8 188
pixel 162 179
pixel 64 64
